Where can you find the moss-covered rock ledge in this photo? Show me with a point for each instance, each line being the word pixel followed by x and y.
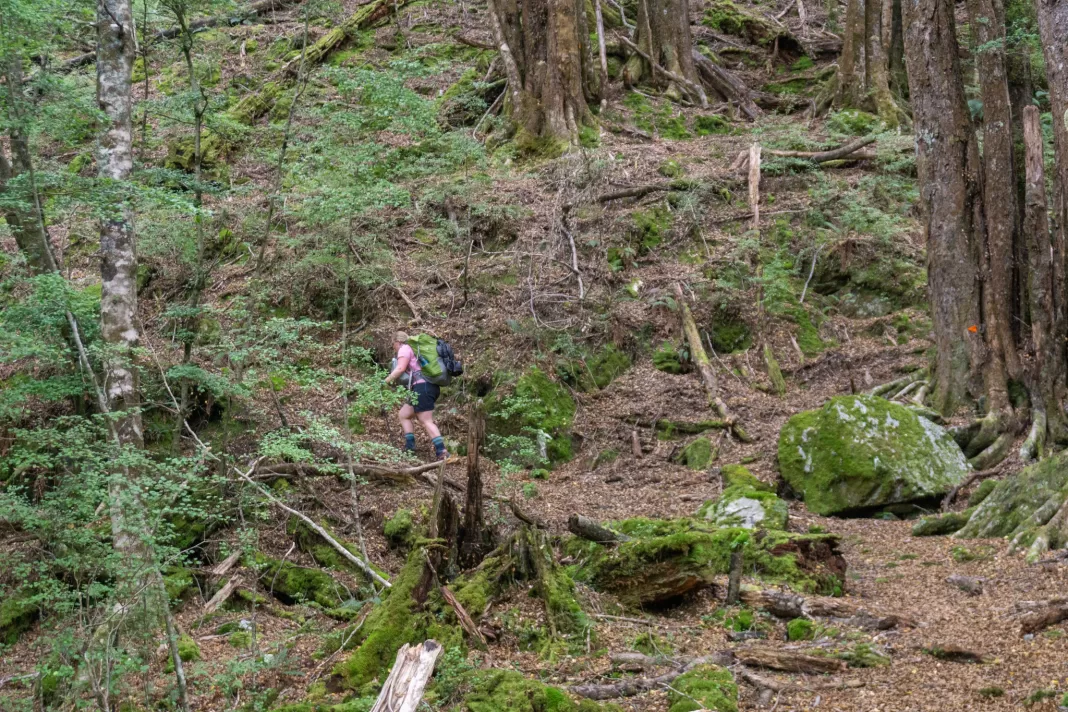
pixel 861 452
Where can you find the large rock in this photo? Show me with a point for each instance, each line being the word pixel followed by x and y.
pixel 860 452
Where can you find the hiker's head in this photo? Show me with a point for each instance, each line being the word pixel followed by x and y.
pixel 399 338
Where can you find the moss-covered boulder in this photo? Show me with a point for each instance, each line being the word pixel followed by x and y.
pixel 668 558
pixel 400 529
pixel 188 651
pixel 705 687
pixel 670 359
pixel 745 502
pixel 537 407
pixel 861 452
pixel 698 455
pixel 731 19
pixel 17 615
pixel 509 691
pixel 291 584
pixel 1025 508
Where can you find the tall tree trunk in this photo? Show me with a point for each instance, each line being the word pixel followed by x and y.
pixel 896 51
pixel 947 161
pixel 545 48
pixel 1053 26
pixel 118 261
pixel 999 178
pixel 1021 91
pixel 24 218
pixel 876 66
pixel 851 61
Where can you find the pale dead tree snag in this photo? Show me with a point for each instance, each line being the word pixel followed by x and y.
pixel 403 689
pixel 545 49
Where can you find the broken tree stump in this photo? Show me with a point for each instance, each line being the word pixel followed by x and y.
pixel 403 689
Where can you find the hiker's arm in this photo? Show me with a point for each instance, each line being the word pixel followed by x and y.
pixel 402 366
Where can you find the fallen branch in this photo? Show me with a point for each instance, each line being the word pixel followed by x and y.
pixel 754 184
pixel 477 44
pixel 828 155
pixel 521 515
pixel 586 528
pixel 776 686
pixel 788 660
pixel 466 622
pixel 636 686
pixel 222 595
pixel 223 567
pixel 403 689
pixel 359 563
pixel 727 85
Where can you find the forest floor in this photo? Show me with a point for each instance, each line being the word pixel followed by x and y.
pixel 517 262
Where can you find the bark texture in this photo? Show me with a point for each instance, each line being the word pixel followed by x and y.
pixel 947 162
pixel 545 48
pixel 1053 27
pixel 664 35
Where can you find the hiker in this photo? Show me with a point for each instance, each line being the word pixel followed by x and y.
pixel 425 395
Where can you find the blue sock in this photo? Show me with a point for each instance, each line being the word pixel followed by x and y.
pixel 409 441
pixel 439 444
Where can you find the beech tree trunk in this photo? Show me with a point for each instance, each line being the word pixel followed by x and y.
pixel 118 261
pixel 545 48
pixel 947 162
pixel 664 34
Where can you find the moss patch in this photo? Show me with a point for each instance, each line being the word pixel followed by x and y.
pixel 670 359
pixel 290 583
pixel 17 615
pixel 726 17
pixel 982 492
pixel 941 525
pixel 706 687
pixel 539 404
pixel 745 502
pixel 1006 510
pixel 594 371
pixel 509 691
pixel 188 651
pixel 698 455
pixel 399 528
pixel 800 629
pixel 860 452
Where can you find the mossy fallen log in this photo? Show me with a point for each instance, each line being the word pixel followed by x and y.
pixel 669 558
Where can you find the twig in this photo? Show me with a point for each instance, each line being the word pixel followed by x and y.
pixel 811 271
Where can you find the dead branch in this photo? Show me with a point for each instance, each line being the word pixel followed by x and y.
pixel 1053 613
pixel 754 184
pixel 466 622
pixel 472 42
pixel 788 660
pixel 521 515
pixel 828 155
pixel 636 686
pixel 586 528
pixel 357 561
pixel 776 686
pixel 222 595
pixel 223 567
pixel 727 85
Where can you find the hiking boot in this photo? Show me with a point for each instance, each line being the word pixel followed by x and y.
pixel 443 455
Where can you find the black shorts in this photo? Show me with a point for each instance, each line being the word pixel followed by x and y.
pixel 425 395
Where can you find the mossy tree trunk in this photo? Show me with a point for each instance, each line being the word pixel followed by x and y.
pixel 663 33
pixel 864 67
pixel 545 49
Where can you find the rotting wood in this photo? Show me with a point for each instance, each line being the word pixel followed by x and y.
pixel 754 184
pixel 222 595
pixel 521 515
pixel 788 660
pixel 591 530
pixel 1053 613
pixel 223 567
pixel 729 86
pixel 360 564
pixel 791 605
pixel 403 689
pixel 831 154
pixel 765 683
pixel 464 617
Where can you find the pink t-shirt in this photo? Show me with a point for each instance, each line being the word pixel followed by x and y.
pixel 414 369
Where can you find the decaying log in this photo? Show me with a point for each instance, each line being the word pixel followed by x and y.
pixel 222 595
pixel 792 605
pixel 588 529
pixel 1051 613
pixel 463 616
pixel 632 661
pixel 788 660
pixel 403 689
pixel 764 683
pixel 726 85
pixel 223 567
pixel 954 653
pixel 636 686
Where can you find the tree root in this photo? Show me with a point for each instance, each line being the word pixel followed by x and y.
pixel 994 454
pixel 899 383
pixel 1036 440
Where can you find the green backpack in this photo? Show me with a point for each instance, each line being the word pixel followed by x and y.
pixel 436 359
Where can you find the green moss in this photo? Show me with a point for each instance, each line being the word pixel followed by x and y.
pixel 982 492
pixel 594 371
pixel 188 651
pixel 941 525
pixel 711 124
pixel 853 122
pixel 400 529
pixel 17 615
pixel 745 502
pixel 698 455
pixel 547 406
pixel 800 629
pixel 730 335
pixel 322 552
pixel 804 62
pixel 240 639
pixel 726 17
pixel 788 87
pixel 862 452
pixel 706 687
pixel 668 359
pixel 177 580
pixel 295 584
pixel 668 558
pixel 651 226
pixel 509 691
pixel 652 644
pixel 863 655
pixel 589 137
pixel 808 336
pixel 390 625
pixel 671 169
pixel 1009 506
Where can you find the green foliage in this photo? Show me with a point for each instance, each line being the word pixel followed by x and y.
pixel 708 125
pixel 538 410
pixel 509 691
pixel 652 644
pixel 591 371
pixel 991 692
pixel 188 651
pixel 669 359
pixel 657 116
pixel 853 122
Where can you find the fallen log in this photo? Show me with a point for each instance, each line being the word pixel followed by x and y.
pixel 636 686
pixel 792 605
pixel 223 567
pixel 463 616
pixel 222 595
pixel 694 89
pixel 764 683
pixel 828 155
pixel 788 660
pixel 588 529
pixel 403 689
pixel 954 653
pixel 1052 613
pixel 726 85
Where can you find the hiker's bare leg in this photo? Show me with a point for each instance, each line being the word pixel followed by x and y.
pixel 405 416
pixel 426 419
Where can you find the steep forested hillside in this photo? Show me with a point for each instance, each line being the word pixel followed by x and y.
pixel 761 311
